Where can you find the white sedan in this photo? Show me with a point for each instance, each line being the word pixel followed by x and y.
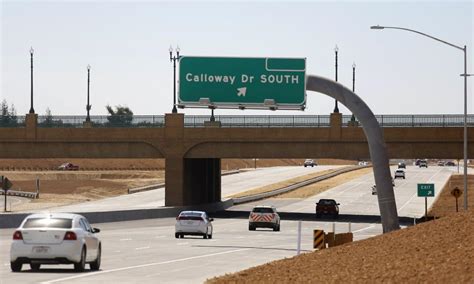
pixel 56 238
pixel 193 223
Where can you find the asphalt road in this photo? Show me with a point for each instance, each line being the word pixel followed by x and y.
pixel 147 252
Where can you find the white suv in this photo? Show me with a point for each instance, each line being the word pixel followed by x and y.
pixel 264 217
pixel 193 223
pixel 400 173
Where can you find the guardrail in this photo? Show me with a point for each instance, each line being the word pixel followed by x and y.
pixel 258 196
pixel 19 193
pixel 240 121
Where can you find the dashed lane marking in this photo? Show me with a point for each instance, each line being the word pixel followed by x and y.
pixel 143 265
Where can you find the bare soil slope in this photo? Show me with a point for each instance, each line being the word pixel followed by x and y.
pixel 440 251
pixel 446 203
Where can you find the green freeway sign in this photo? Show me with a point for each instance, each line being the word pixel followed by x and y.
pixel 426 190
pixel 231 82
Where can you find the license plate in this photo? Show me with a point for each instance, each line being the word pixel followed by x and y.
pixel 41 249
pixel 190 222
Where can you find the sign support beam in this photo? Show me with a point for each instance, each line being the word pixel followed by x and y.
pixel 377 147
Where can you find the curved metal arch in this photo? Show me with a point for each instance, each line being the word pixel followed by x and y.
pixel 377 148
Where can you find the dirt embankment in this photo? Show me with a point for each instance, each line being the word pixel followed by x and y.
pixel 446 203
pixel 440 251
pixel 146 164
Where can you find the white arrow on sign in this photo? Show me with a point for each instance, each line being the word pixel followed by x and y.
pixel 241 91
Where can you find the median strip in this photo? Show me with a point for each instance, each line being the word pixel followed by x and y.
pixel 297 185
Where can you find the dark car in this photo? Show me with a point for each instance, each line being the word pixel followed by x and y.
pixel 402 165
pixel 450 164
pixel 327 207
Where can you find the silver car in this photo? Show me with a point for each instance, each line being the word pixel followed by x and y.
pixel 56 238
pixel 196 223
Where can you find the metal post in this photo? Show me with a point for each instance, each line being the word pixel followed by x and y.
pixel 465 127
pixel 298 248
pixel 465 75
pixel 32 110
pixel 4 192
pixel 426 208
pixel 173 59
pixel 336 108
pixel 353 87
pixel 212 114
pixel 88 106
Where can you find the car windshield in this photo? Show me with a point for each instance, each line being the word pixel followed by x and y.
pixel 262 210
pixel 59 223
pixel 326 202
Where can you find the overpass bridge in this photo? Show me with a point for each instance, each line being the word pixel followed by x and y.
pixel 192 146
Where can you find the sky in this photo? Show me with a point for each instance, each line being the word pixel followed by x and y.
pixel 127 42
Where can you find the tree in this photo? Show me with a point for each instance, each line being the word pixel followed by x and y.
pixel 49 121
pixel 8 116
pixel 122 115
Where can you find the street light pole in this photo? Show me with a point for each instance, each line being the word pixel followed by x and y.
pixel 353 87
pixel 465 75
pixel 88 106
pixel 32 110
pixel 173 59
pixel 336 108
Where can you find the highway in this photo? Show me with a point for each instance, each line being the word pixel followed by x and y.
pixel 231 184
pixel 146 250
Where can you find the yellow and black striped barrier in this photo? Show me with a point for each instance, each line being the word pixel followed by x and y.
pixel 318 237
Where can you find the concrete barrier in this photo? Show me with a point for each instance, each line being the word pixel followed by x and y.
pixel 13 220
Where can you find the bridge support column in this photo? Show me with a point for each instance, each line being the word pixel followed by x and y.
pixel 174 182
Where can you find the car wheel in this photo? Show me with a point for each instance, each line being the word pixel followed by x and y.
pixel 35 266
pixel 95 265
pixel 81 265
pixel 16 266
pixel 209 236
pixel 181 236
pixel 305 166
pixel 251 228
pixel 176 235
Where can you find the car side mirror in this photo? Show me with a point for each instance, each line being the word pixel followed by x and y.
pixel 211 219
pixel 95 230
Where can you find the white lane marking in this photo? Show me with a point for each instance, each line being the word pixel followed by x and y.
pixel 416 193
pixel 140 248
pixel 125 239
pixel 363 229
pixel 159 237
pixel 143 265
pixel 182 244
pixel 117 251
